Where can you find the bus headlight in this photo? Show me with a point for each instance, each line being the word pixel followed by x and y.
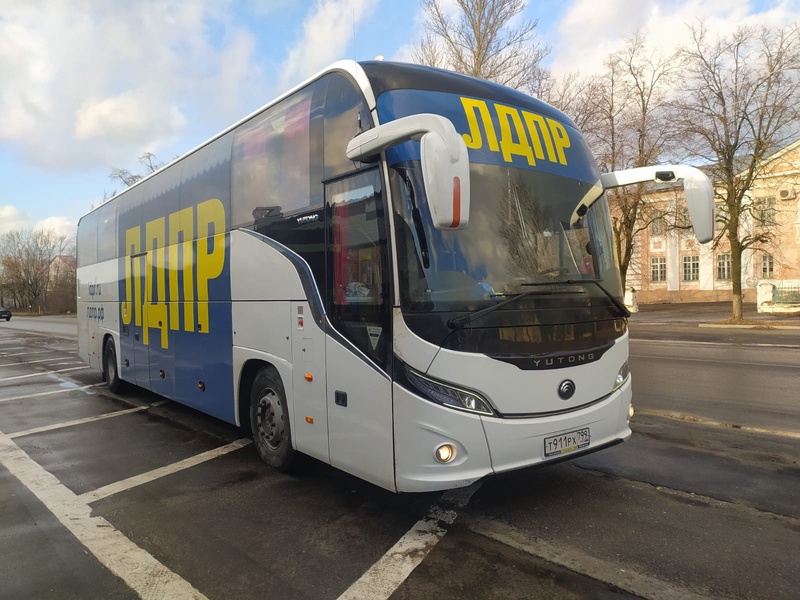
pixel 445 453
pixel 448 395
pixel 622 376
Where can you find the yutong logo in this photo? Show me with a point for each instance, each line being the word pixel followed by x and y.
pixel 566 389
pixel 307 219
pixel 563 361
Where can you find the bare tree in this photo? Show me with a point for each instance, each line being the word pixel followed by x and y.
pixel 26 257
pixel 633 129
pixel 147 159
pixel 477 41
pixel 742 104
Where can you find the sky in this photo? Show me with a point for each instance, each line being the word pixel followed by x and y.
pixel 87 86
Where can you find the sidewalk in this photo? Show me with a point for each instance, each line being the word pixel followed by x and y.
pixel 705 314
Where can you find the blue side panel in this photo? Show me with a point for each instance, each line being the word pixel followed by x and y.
pixel 204 365
pixel 174 282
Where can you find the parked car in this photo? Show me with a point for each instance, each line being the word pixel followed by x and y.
pixel 5 313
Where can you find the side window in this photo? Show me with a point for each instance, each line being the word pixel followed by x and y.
pixel 87 240
pixel 107 231
pixel 272 161
pixel 346 114
pixel 359 306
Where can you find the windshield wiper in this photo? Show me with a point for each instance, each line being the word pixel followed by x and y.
pixel 459 322
pixel 417 219
pixel 624 312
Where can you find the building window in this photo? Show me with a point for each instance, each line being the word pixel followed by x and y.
pixel 658 268
pixel 765 212
pixel 721 217
pixel 767 266
pixel 723 266
pixel 658 226
pixel 691 268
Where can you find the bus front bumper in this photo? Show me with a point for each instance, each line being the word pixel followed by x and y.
pixel 488 445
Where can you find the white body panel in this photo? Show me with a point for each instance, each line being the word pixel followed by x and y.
pixel 361 432
pixel 98 308
pixel 514 391
pixel 488 445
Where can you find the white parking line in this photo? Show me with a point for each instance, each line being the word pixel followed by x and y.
pixel 27 352
pixel 393 568
pixel 26 362
pixel 55 426
pixel 136 567
pixel 137 480
pixel 58 391
pixel 43 373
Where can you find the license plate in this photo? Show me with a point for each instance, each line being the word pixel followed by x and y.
pixel 566 442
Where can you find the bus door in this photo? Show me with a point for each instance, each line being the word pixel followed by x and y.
pixel 358 346
pixel 132 347
pixel 308 383
pixel 156 333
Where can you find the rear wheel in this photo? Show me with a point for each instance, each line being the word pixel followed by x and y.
pixel 110 371
pixel 269 420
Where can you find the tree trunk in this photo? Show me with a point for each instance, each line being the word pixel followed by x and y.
pixel 736 281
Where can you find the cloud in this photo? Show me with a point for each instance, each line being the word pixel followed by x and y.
pixel 324 39
pixel 61 226
pixel 131 116
pixel 12 218
pixel 117 80
pixel 591 30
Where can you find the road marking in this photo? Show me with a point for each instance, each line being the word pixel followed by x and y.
pixel 698 343
pixel 668 414
pixel 711 360
pixel 393 568
pixel 628 580
pixel 43 373
pixel 137 480
pixel 58 391
pixel 145 575
pixel 65 424
pixel 27 362
pixel 26 353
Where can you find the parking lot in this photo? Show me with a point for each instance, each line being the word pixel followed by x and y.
pixel 136 497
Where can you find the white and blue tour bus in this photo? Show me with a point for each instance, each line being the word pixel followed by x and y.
pixel 400 271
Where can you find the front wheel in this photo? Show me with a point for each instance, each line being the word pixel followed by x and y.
pixel 269 420
pixel 110 371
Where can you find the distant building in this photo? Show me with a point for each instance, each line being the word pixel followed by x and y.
pixel 670 266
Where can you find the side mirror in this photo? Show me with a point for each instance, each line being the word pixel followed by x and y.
pixel 696 185
pixel 444 158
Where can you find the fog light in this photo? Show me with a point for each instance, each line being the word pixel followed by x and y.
pixel 445 453
pixel 630 412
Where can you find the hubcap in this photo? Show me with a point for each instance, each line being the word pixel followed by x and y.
pixel 270 419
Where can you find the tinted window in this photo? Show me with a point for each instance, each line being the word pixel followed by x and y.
pixel 271 161
pixel 346 114
pixel 87 240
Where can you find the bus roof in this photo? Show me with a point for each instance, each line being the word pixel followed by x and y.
pixel 375 77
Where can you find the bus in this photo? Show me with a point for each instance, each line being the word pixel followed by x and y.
pixel 400 271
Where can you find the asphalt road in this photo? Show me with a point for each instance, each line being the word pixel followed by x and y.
pixel 125 497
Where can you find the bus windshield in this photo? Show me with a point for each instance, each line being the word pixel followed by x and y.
pixel 522 232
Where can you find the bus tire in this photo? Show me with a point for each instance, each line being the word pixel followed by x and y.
pixel 110 371
pixel 269 420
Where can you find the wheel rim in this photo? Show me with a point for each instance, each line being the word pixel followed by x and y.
pixel 271 429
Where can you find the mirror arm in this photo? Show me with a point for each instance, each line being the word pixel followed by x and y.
pixel 369 144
